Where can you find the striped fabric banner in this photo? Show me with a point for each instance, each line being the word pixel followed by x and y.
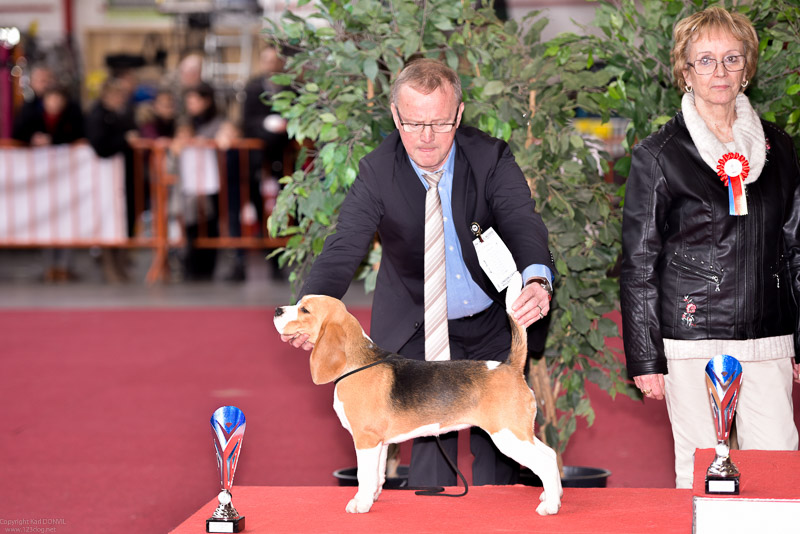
pixel 199 171
pixel 61 194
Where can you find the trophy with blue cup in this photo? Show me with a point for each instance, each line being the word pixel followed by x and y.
pixel 724 380
pixel 227 426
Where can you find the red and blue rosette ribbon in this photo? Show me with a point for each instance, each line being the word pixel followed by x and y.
pixel 732 169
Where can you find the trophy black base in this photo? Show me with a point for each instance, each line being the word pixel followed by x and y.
pixel 716 485
pixel 225 525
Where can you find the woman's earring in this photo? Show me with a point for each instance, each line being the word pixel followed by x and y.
pixel 688 88
pixel 745 83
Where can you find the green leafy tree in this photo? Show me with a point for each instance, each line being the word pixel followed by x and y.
pixel 516 87
pixel 634 44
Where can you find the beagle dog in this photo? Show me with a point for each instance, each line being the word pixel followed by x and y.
pixel 396 399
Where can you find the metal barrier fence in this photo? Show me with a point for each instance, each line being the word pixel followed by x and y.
pixel 65 196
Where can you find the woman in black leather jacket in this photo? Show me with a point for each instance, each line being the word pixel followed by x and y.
pixel 711 247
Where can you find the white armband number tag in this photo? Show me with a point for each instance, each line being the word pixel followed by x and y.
pixel 495 259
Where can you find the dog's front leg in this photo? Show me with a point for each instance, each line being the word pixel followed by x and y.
pixel 381 470
pixel 369 463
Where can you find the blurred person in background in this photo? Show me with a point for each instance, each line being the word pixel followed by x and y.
pixel 266 166
pixel 258 119
pixel 190 71
pixel 49 117
pixel 40 79
pixel 202 122
pixel 110 128
pixel 157 119
pixel 52 119
pixel 128 82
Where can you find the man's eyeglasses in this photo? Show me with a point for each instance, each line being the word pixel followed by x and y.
pixel 708 65
pixel 416 127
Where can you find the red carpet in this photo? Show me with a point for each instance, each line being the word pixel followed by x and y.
pixel 106 417
pixel 763 475
pixel 484 509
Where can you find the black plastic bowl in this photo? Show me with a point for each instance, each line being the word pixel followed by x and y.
pixel 348 476
pixel 574 477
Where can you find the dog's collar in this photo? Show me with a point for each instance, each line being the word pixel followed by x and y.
pixel 354 371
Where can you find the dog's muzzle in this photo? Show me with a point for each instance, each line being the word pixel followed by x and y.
pixel 283 315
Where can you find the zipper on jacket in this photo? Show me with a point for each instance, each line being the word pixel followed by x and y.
pixel 777 274
pixel 711 276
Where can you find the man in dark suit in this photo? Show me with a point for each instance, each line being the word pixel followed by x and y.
pixel 481 183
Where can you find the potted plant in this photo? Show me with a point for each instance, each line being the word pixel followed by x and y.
pixel 516 87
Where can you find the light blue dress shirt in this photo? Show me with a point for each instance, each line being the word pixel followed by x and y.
pixel 464 296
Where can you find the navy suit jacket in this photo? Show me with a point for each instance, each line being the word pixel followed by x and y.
pixel 388 197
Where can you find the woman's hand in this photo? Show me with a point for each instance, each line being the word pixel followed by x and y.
pixel 652 386
pixel 796 371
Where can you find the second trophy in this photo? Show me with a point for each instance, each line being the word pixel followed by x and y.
pixel 227 426
pixel 724 379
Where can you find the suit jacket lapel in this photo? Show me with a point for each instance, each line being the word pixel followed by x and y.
pixel 461 193
pixel 463 204
pixel 409 185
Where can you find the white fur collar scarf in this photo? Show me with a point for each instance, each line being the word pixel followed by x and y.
pixel 748 136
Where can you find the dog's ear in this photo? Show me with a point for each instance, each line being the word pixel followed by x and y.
pixel 328 358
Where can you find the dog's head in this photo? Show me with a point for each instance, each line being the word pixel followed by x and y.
pixel 326 321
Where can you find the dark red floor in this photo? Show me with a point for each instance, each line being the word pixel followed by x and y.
pixel 106 417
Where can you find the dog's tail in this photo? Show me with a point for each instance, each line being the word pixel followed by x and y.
pixel 519 336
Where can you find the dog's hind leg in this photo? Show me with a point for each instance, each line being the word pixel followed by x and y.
pixel 541 459
pixel 369 467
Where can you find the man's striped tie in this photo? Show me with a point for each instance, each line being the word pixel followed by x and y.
pixel 437 340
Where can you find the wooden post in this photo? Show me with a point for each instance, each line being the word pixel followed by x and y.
pixel 531 110
pixel 159 269
pixel 545 400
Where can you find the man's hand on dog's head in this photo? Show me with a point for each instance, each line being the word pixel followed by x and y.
pixel 298 341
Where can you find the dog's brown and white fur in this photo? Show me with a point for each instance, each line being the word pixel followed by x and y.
pixel 402 399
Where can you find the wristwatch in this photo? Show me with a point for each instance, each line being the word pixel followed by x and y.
pixel 544 282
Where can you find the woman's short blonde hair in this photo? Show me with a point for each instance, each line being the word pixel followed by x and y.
pixel 702 24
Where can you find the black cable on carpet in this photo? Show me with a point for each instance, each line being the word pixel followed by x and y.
pixel 438 491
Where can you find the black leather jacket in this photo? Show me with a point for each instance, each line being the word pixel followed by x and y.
pixel 692 271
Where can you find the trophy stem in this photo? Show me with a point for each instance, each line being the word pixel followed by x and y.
pixel 225 518
pixel 225 510
pixel 722 476
pixel 722 465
